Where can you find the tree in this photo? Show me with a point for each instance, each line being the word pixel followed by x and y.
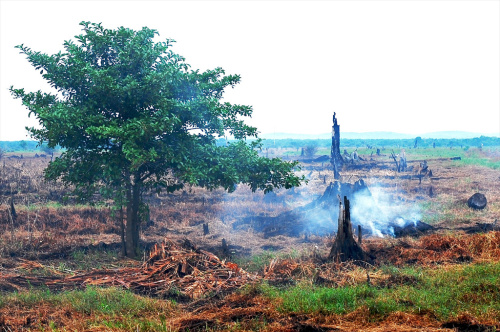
pixel 418 140
pixel 310 150
pixel 131 116
pixel 23 145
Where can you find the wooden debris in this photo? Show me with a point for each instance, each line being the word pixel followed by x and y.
pixel 171 269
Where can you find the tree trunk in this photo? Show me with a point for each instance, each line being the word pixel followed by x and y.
pixel 133 220
pixel 122 232
pixel 336 158
pixel 345 248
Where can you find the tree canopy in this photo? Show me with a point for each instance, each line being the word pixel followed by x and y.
pixel 131 115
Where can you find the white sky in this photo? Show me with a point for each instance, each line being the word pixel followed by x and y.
pixel 403 66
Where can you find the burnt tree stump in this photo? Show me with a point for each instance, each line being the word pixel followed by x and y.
pixel 225 248
pixel 477 201
pixel 336 158
pixel 360 235
pixel 345 248
pixel 13 212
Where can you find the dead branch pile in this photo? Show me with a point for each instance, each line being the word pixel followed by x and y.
pixel 171 269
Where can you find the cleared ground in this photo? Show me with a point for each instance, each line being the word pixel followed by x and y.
pixel 445 280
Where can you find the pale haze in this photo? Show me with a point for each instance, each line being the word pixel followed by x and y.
pixel 403 66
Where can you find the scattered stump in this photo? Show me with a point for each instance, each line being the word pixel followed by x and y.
pixel 225 247
pixel 336 158
pixel 477 201
pixel 13 212
pixel 345 248
pixel 414 229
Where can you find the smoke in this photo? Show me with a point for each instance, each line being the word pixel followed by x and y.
pixel 375 210
pixel 378 212
pixel 372 208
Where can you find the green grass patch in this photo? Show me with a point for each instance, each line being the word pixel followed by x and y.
pixel 92 259
pixel 430 153
pixel 305 298
pixel 434 212
pixel 474 156
pixel 30 298
pixel 450 211
pixel 113 308
pixel 109 301
pixel 258 262
pixel 117 308
pixel 446 293
pixel 91 300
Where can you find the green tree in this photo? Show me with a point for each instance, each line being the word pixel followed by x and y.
pixel 47 149
pixel 23 145
pixel 131 116
pixel 418 140
pixel 310 150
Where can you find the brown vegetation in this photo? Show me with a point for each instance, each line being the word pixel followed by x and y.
pixel 40 246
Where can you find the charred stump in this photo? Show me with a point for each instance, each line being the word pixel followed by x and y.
pixel 13 212
pixel 336 158
pixel 360 234
pixel 393 156
pixel 225 248
pixel 477 201
pixel 345 248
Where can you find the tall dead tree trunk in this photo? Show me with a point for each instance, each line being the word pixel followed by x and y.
pixel 345 248
pixel 336 157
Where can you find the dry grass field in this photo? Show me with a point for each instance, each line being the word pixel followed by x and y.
pixel 61 268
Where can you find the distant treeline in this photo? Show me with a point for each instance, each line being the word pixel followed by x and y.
pixel 24 146
pixel 31 146
pixel 382 143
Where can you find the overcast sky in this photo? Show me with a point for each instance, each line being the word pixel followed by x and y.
pixel 404 66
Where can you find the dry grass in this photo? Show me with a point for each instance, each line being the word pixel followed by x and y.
pixel 438 249
pixel 46 229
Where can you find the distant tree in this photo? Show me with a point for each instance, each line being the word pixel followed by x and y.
pixel 47 149
pixel 310 150
pixel 417 142
pixel 132 116
pixel 23 145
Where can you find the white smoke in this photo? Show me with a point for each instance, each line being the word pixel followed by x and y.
pixel 378 212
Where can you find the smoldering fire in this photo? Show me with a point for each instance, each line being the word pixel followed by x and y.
pixel 372 208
